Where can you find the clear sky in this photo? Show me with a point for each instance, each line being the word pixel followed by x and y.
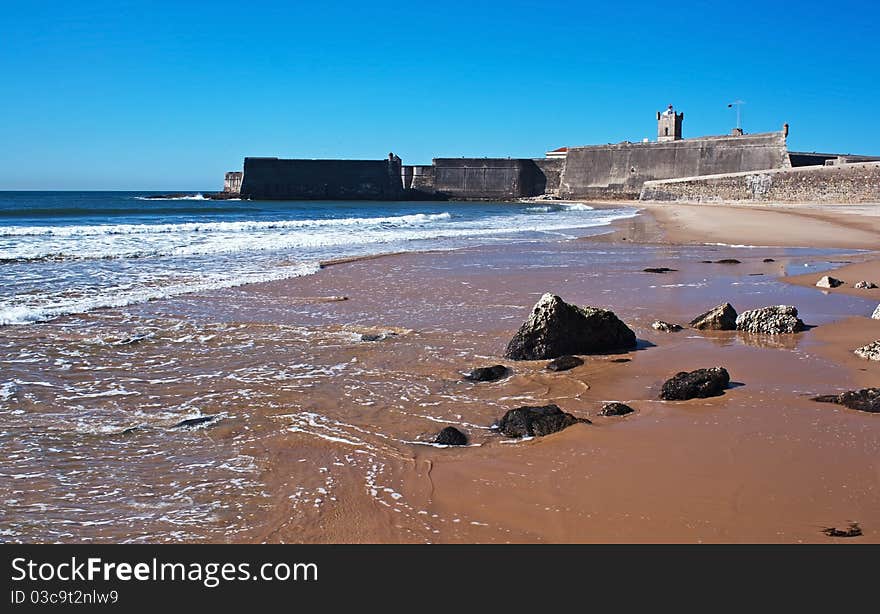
pixel 169 95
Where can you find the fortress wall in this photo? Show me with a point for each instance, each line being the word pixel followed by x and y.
pixel 846 183
pixel 494 178
pixel 622 168
pixel 551 169
pixel 279 179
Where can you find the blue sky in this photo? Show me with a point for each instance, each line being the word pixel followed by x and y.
pixel 169 95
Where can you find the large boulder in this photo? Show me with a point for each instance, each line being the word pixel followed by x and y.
pixel 451 436
pixel 536 421
pixel 556 329
pixel 870 351
pixel 701 383
pixel 720 317
pixel 876 314
pixel 770 320
pixel 828 282
pixel 866 399
pixel 487 374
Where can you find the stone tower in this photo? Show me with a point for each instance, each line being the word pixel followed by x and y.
pixel 669 125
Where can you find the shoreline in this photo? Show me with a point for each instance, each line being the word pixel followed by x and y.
pixel 332 423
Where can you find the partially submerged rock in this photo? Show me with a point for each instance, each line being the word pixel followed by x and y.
pixel 536 421
pixel 487 374
pixel 564 363
pixel 720 317
pixel 661 269
pixel 768 260
pixel 451 436
pixel 370 337
pixel 829 282
pixel 864 285
pixel 876 314
pixel 866 399
pixel 615 409
pixel 773 320
pixel 556 328
pixel 191 422
pixel 701 383
pixel 665 327
pixel 728 261
pixel 869 352
pixel 853 530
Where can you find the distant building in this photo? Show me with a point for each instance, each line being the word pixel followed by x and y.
pixel 560 152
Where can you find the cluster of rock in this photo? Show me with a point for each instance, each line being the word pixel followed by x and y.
pixel 865 285
pixel 866 399
pixel 665 327
pixel 773 320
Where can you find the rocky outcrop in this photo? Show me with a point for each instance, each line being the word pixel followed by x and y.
pixel 720 317
pixel 866 399
pixel 728 261
pixel 370 337
pixel 665 327
pixel 701 383
pixel 853 530
pixel 556 329
pixel 876 314
pixel 487 374
pixel 451 436
pixel 829 282
pixel 864 285
pixel 536 421
pixel 768 260
pixel 773 320
pixel 661 269
pixel 564 363
pixel 615 409
pixel 870 351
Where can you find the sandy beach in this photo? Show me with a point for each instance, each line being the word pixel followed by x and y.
pixel 326 434
pixel 762 463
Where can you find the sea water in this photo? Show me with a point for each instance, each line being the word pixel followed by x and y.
pixel 72 252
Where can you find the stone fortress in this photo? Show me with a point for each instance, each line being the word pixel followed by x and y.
pixel 734 167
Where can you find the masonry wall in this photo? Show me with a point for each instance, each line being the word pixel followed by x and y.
pixel 491 178
pixel 280 179
pixel 847 183
pixel 551 171
pixel 621 169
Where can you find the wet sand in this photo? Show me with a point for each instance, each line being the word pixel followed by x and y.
pixel 329 430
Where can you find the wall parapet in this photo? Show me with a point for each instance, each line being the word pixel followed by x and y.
pixel 850 183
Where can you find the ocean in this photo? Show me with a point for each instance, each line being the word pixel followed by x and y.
pixel 64 253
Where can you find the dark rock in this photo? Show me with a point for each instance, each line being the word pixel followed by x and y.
pixel 564 363
pixel 615 409
pixel 773 320
pixel 621 360
pixel 665 327
pixel 191 422
pixel 661 269
pixel 536 421
pixel 451 436
pixel 720 317
pixel 755 274
pixel 701 383
pixel 768 260
pixel 829 282
pixel 865 285
pixel 866 399
pixel 487 374
pixel 706 261
pixel 556 329
pixel 728 261
pixel 377 337
pixel 853 530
